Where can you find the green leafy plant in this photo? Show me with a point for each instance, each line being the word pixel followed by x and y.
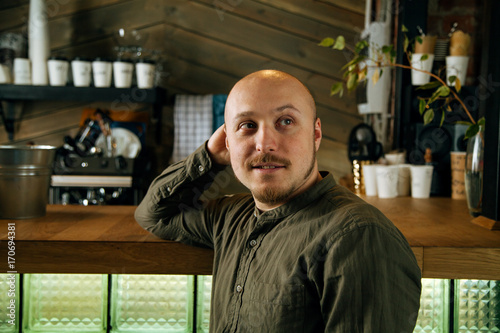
pixel 368 56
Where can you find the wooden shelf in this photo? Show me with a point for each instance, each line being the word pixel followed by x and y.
pixel 10 92
pixel 107 239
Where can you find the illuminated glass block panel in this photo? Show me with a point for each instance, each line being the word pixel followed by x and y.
pixel 152 303
pixel 9 303
pixel 203 303
pixel 477 306
pixel 65 303
pixel 433 315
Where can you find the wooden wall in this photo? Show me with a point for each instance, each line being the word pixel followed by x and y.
pixel 205 46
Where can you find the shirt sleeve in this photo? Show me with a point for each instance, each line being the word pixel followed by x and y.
pixel 172 207
pixel 370 282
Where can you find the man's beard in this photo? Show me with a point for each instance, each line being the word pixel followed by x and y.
pixel 273 196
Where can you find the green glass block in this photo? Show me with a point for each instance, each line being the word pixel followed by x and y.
pixel 152 303
pixel 9 303
pixel 204 292
pixel 477 306
pixel 65 303
pixel 433 315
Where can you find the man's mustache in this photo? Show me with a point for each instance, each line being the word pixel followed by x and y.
pixel 268 158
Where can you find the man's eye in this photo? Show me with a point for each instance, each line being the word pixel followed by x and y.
pixel 247 125
pixel 286 122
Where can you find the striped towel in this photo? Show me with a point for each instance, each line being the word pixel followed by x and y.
pixel 192 124
pixel 196 117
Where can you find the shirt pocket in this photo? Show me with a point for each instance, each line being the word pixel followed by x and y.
pixel 274 308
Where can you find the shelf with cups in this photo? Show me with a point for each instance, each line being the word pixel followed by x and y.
pixel 482 98
pixel 17 93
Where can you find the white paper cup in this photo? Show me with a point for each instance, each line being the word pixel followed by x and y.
pixel 145 72
pixel 395 158
pixel 5 76
pixel 58 71
pixel 404 180
pixel 370 179
pixel 421 180
pixel 456 66
pixel 102 70
pixel 81 70
pixel 122 74
pixel 22 71
pixel 419 78
pixel 387 181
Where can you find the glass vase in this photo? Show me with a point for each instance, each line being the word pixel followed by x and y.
pixel 474 173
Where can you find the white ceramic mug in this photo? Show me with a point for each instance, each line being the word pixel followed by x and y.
pixel 58 71
pixel 387 181
pixel 419 78
pixel 122 73
pixel 370 179
pixel 145 72
pixel 421 181
pixel 81 70
pixel 102 70
pixel 22 71
pixel 456 66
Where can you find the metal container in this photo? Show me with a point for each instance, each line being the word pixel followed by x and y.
pixel 25 173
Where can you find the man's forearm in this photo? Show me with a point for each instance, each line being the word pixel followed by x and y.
pixel 177 189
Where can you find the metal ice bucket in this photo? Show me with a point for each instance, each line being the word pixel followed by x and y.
pixel 25 173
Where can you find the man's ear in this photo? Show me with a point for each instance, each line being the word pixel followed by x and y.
pixel 317 133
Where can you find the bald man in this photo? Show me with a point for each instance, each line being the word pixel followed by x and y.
pixel 299 253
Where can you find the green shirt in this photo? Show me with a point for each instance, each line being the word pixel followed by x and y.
pixel 326 261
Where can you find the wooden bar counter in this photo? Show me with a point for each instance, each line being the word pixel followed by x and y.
pixel 106 239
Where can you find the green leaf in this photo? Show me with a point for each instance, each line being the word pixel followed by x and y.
pixel 337 88
pixel 481 121
pixel 424 57
pixel 428 116
pixel 327 42
pixel 471 131
pixel 406 44
pixel 443 91
pixel 403 28
pixel 419 39
pixel 458 85
pixel 442 119
pixel 354 61
pixel 430 85
pixel 360 46
pixel 421 106
pixel 452 78
pixel 339 43
pixel 352 81
pixel 386 48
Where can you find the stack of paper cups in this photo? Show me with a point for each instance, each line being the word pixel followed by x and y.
pixel 38 36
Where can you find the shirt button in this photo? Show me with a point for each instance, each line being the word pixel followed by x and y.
pixel 253 242
pixel 201 168
pixel 169 189
pixel 239 288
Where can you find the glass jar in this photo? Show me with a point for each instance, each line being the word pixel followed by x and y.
pixel 474 162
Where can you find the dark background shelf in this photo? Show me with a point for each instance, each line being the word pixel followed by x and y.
pixel 11 92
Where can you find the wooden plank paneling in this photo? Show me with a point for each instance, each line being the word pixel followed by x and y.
pixel 205 47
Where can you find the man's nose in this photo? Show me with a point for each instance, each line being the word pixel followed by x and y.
pixel 266 139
